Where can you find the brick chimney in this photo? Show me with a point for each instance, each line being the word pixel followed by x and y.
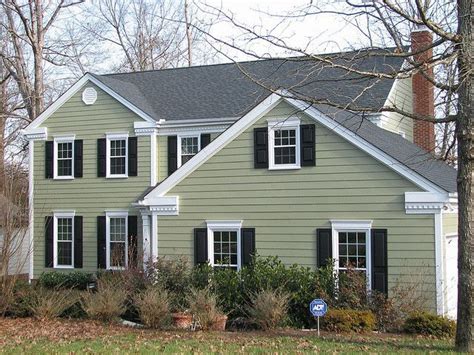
pixel 423 90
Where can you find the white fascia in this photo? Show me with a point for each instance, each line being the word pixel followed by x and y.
pixel 35 134
pixel 425 202
pixel 162 206
pixel 73 90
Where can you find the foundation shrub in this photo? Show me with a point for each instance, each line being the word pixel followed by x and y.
pixel 429 324
pixel 48 304
pixel 107 303
pixel 66 280
pixel 268 309
pixel 203 305
pixel 153 305
pixel 348 320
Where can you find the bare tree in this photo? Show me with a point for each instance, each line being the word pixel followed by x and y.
pixel 446 63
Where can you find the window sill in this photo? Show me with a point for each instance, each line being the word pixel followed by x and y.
pixel 63 267
pixel 284 167
pixel 117 177
pixel 63 178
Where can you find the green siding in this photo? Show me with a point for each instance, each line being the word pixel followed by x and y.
pixel 402 97
pixel 450 223
pixel 162 156
pixel 89 196
pixel 286 207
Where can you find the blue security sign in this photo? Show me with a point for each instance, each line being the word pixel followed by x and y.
pixel 318 307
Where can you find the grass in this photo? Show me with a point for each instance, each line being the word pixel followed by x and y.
pixel 41 338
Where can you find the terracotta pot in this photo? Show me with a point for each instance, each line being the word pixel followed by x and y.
pixel 182 320
pixel 219 323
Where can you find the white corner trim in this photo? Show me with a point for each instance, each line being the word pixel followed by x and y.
pixel 154 159
pixel 73 90
pixel 224 225
pixel 425 202
pixel 346 224
pixel 31 165
pixel 215 146
pixel 162 206
pixel 35 134
pixel 439 257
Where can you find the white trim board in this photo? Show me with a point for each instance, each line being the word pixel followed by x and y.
pixel 258 112
pixel 73 90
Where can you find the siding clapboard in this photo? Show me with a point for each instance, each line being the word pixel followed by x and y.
pixel 286 207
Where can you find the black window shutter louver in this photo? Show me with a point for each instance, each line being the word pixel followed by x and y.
pixel 379 260
pixel 101 243
pixel 200 246
pixel 248 245
pixel 49 241
pixel 205 140
pixel 101 157
pixel 172 154
pixel 308 139
pixel 260 148
pixel 133 156
pixel 323 247
pixel 133 241
pixel 78 158
pixel 49 159
pixel 78 237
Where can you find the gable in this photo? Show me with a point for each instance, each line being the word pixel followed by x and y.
pixel 339 166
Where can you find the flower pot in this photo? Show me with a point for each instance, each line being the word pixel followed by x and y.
pixel 219 323
pixel 182 320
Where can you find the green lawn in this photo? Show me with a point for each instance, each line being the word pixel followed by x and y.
pixel 179 342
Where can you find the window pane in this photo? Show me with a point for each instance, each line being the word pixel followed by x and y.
pixel 117 254
pixel 117 229
pixel 64 241
pixel 65 150
pixel 285 146
pixel 118 156
pixel 64 160
pixel 65 229
pixel 117 166
pixel 225 248
pixel 352 237
pixel 352 250
pixel 189 148
pixel 65 167
pixel 64 253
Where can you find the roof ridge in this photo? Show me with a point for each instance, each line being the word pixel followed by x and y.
pixel 258 60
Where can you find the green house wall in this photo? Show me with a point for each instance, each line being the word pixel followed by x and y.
pixel 286 207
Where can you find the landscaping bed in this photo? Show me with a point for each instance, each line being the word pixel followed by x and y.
pixel 29 335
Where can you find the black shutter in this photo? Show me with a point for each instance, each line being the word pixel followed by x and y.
pixel 200 246
pixel 260 148
pixel 78 158
pixel 172 154
pixel 308 139
pixel 101 243
pixel 379 260
pixel 248 245
pixel 101 157
pixel 49 241
pixel 132 241
pixel 205 140
pixel 133 156
pixel 78 231
pixel 49 159
pixel 323 247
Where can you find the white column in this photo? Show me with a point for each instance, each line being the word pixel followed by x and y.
pixel 146 238
pixel 154 236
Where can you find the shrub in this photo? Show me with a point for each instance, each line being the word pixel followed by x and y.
pixel 108 303
pixel 23 297
pixel 348 320
pixel 174 275
pixel 268 308
pixel 48 304
pixel 70 280
pixel 203 306
pixel 153 306
pixel 429 324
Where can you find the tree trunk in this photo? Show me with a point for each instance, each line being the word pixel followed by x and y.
pixel 188 32
pixel 465 135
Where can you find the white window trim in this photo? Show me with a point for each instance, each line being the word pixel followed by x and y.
pixel 63 139
pixel 189 135
pixel 224 226
pixel 62 214
pixel 283 123
pixel 116 136
pixel 115 214
pixel 353 226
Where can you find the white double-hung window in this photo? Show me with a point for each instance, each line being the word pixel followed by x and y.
pixel 188 146
pixel 224 243
pixel 284 143
pixel 64 157
pixel 116 238
pixel 117 155
pixel 63 234
pixel 351 246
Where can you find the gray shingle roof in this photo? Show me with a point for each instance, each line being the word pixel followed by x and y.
pixel 230 90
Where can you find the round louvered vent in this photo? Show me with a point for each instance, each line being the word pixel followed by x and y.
pixel 89 96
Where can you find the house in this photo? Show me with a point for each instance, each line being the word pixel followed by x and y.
pixel 206 163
